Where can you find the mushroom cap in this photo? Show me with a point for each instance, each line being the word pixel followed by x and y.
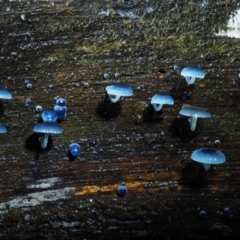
pixel 122 190
pixel 5 94
pixel 193 72
pixel 189 111
pixel 2 129
pixel 61 102
pixel 162 99
pixel 60 110
pixel 47 127
pixel 208 156
pixel 74 149
pixel 49 115
pixel 119 89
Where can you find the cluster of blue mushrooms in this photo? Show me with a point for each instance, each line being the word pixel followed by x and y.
pixel 206 156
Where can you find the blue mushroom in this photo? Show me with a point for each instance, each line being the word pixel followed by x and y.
pixel 118 90
pixel 208 156
pixel 61 112
pixel 5 94
pixel 74 149
pixel 2 129
pixel 49 115
pixel 159 99
pixel 122 190
pixel 194 113
pixel 191 73
pixel 46 128
pixel 61 102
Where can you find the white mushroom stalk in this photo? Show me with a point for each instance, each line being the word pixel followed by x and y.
pixel 193 122
pixel 114 98
pixel 157 107
pixel 190 80
pixel 206 166
pixel 44 140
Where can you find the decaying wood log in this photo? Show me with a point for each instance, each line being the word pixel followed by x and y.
pixel 64 48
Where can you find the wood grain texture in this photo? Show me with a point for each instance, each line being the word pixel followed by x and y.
pixel 59 46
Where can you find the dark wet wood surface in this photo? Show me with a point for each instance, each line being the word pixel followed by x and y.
pixel 63 48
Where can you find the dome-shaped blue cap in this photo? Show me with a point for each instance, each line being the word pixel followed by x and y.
pixel 189 111
pixel 162 99
pixel 5 94
pixel 60 110
pixel 47 127
pixel 61 102
pixel 49 116
pixel 119 89
pixel 193 72
pixel 2 129
pixel 74 149
pixel 208 155
pixel 122 190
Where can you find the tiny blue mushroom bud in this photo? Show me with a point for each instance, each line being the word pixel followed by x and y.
pixel 106 75
pixel 202 213
pixel 86 84
pixel 61 102
pixel 158 100
pixel 74 149
pixel 29 86
pixel 28 102
pixel 117 90
pixel 49 116
pixel 38 108
pixel 122 190
pixel 117 75
pixel 208 156
pixel 226 210
pixel 60 111
pixel 26 82
pixel 191 73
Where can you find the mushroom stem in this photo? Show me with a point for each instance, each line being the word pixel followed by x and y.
pixel 157 107
pixel 190 80
pixel 114 98
pixel 44 140
pixel 206 166
pixel 193 122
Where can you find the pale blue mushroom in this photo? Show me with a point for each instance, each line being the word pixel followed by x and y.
pixel 2 129
pixel 208 156
pixel 158 100
pixel 191 73
pixel 118 90
pixel 5 94
pixel 46 128
pixel 194 113
pixel 49 126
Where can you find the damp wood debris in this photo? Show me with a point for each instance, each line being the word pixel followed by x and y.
pixel 123 168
